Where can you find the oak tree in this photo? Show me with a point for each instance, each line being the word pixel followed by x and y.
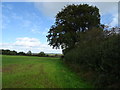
pixel 70 22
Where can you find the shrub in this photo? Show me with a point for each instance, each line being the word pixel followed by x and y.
pixel 102 57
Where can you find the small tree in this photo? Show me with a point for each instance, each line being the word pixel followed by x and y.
pixel 29 53
pixel 41 54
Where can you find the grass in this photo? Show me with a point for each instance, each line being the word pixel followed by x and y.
pixel 38 72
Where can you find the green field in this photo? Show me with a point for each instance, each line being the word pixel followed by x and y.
pixel 38 72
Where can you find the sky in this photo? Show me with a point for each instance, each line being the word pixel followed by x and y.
pixel 25 24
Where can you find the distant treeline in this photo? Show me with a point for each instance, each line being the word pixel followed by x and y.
pixel 29 53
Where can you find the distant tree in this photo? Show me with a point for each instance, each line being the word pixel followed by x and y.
pixel 41 54
pixel 0 51
pixel 21 53
pixel 47 55
pixel 29 53
pixel 56 55
pixel 6 52
pixel 69 22
pixel 13 52
pixel 9 52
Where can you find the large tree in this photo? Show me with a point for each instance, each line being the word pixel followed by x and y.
pixel 70 22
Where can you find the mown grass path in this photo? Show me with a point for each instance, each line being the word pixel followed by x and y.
pixel 38 72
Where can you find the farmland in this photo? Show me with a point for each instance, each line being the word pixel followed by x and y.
pixel 38 72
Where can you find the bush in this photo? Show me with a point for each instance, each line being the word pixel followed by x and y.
pixel 103 57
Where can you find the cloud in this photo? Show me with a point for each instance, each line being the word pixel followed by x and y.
pixel 59 0
pixel 35 31
pixel 7 20
pixel 45 32
pixel 52 8
pixel 119 14
pixel 114 21
pixel 28 42
pixel 106 7
pixel 25 44
pixel 6 46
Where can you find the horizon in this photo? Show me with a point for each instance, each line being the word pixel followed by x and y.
pixel 31 52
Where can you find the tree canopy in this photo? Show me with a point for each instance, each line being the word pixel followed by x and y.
pixel 69 22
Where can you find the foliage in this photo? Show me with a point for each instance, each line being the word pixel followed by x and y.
pixel 72 20
pixel 85 42
pixel 21 53
pixel 8 52
pixel 29 53
pixel 41 54
pixel 99 54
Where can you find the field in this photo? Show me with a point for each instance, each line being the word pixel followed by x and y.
pixel 38 72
